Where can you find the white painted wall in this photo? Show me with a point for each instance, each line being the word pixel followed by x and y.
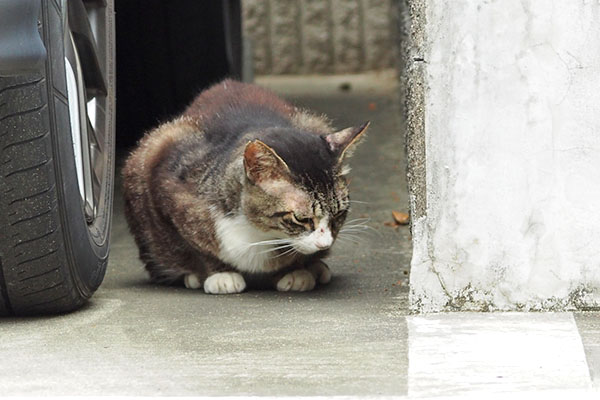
pixel 512 130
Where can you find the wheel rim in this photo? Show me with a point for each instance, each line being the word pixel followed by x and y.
pixel 85 64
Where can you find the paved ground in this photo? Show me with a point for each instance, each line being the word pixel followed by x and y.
pixel 346 338
pixel 352 337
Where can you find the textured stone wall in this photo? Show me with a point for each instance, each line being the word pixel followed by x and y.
pixel 320 36
pixel 504 96
pixel 411 28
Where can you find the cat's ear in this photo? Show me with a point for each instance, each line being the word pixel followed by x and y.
pixel 342 143
pixel 262 164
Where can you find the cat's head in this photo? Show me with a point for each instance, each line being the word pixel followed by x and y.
pixel 296 186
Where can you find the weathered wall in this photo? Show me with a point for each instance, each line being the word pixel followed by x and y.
pixel 506 102
pixel 411 28
pixel 320 36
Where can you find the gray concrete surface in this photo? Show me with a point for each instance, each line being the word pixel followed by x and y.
pixel 348 338
pixel 589 329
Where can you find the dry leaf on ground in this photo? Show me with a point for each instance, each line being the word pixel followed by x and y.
pixel 401 218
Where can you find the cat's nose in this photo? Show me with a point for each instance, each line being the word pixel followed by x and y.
pixel 324 242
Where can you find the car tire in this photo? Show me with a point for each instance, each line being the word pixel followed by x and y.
pixel 56 175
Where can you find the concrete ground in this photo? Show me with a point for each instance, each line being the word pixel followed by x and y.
pixel 352 337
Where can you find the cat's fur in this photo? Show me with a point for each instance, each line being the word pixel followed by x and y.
pixel 242 184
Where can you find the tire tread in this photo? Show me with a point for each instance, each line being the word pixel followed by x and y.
pixel 31 237
pixel 39 264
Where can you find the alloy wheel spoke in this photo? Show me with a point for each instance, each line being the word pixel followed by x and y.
pixel 96 158
pixel 79 24
pixel 84 36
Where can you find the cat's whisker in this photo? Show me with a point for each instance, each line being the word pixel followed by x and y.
pixel 282 246
pixel 358 220
pixel 360 228
pixel 276 248
pixel 362 233
pixel 359 202
pixel 272 241
pixel 354 228
pixel 361 219
pixel 349 234
pixel 357 226
pixel 352 240
pixel 346 239
pixel 355 233
pixel 291 250
pixel 350 243
pixel 268 242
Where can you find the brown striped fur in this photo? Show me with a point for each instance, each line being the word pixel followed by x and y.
pixel 238 151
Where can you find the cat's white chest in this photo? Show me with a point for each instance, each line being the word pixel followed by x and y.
pixel 238 244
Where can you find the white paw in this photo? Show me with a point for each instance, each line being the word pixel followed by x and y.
pixel 191 281
pixel 299 280
pixel 320 271
pixel 224 282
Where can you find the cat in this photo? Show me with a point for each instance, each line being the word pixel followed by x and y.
pixel 241 185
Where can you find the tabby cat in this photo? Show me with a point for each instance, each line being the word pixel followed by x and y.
pixel 241 185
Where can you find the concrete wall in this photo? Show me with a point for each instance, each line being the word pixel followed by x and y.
pixel 320 36
pixel 505 99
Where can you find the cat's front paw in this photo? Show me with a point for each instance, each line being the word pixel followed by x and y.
pixel 299 280
pixel 191 281
pixel 220 283
pixel 320 271
pixel 224 283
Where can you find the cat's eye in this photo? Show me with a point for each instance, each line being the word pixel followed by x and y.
pixel 296 220
pixel 279 214
pixel 301 221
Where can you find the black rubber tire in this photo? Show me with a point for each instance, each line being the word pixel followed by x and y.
pixel 51 259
